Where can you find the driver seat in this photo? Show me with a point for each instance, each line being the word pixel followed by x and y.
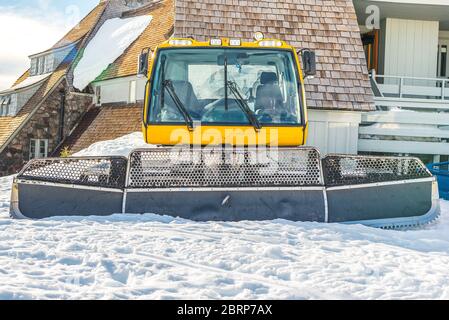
pixel 268 94
pixel 184 90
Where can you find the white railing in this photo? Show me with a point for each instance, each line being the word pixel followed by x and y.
pixel 411 116
pixel 400 87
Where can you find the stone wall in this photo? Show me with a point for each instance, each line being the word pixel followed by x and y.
pixel 44 124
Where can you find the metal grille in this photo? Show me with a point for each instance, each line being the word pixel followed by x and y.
pixel 175 167
pixel 342 170
pixel 105 172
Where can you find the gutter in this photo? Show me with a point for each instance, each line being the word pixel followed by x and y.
pixel 55 50
pixel 61 116
pixel 25 88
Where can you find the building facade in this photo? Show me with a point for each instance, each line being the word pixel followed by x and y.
pixel 39 111
pixel 407 55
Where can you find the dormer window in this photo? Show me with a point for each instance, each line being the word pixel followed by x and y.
pixel 48 61
pixel 41 65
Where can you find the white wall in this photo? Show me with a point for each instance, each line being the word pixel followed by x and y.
pixel 411 47
pixel 119 90
pixel 334 131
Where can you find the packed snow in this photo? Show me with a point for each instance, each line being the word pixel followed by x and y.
pixel 111 40
pixel 119 147
pixel 158 257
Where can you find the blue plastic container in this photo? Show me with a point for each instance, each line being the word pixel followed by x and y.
pixel 442 176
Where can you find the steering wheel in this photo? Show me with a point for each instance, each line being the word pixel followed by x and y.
pixel 216 112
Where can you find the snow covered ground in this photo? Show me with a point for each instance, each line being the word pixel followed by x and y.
pixel 154 257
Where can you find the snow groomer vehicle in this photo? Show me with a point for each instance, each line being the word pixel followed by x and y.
pixel 227 121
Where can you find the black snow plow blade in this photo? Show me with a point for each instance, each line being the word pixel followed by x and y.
pixel 232 185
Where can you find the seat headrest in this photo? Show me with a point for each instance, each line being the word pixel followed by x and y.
pixel 268 77
pixel 181 83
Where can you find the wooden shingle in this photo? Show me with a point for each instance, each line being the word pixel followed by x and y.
pixel 83 27
pixel 105 123
pixel 158 31
pixel 327 26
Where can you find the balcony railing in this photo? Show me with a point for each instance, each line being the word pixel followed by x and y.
pixel 413 88
pixel 412 116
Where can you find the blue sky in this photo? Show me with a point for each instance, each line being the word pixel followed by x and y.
pixel 84 5
pixel 31 26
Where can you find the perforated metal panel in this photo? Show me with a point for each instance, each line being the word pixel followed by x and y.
pixel 175 167
pixel 235 168
pixel 106 172
pixel 342 170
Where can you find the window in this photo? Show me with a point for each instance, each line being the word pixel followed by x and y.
pixel 38 148
pixel 48 63
pixel 33 68
pixel 442 61
pixel 40 65
pixel 225 86
pixel 4 105
pixel 371 46
pixel 13 104
pixel 98 96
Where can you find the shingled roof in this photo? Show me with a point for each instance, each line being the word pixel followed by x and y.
pixel 159 30
pixel 103 123
pixel 106 123
pixel 328 26
pixel 83 27
pixel 74 35
pixel 9 125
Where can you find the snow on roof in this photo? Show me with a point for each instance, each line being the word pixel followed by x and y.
pixel 110 42
pixel 28 82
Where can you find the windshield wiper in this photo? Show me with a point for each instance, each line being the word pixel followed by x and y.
pixel 168 85
pixel 244 106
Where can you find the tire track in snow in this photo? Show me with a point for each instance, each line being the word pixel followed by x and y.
pixel 215 235
pixel 208 235
pixel 241 276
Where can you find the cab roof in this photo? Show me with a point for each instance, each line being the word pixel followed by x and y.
pixel 226 42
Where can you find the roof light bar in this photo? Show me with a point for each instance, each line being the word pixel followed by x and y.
pixel 215 42
pixel 235 42
pixel 270 43
pixel 180 42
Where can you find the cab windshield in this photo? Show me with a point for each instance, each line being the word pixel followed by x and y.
pixel 225 86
